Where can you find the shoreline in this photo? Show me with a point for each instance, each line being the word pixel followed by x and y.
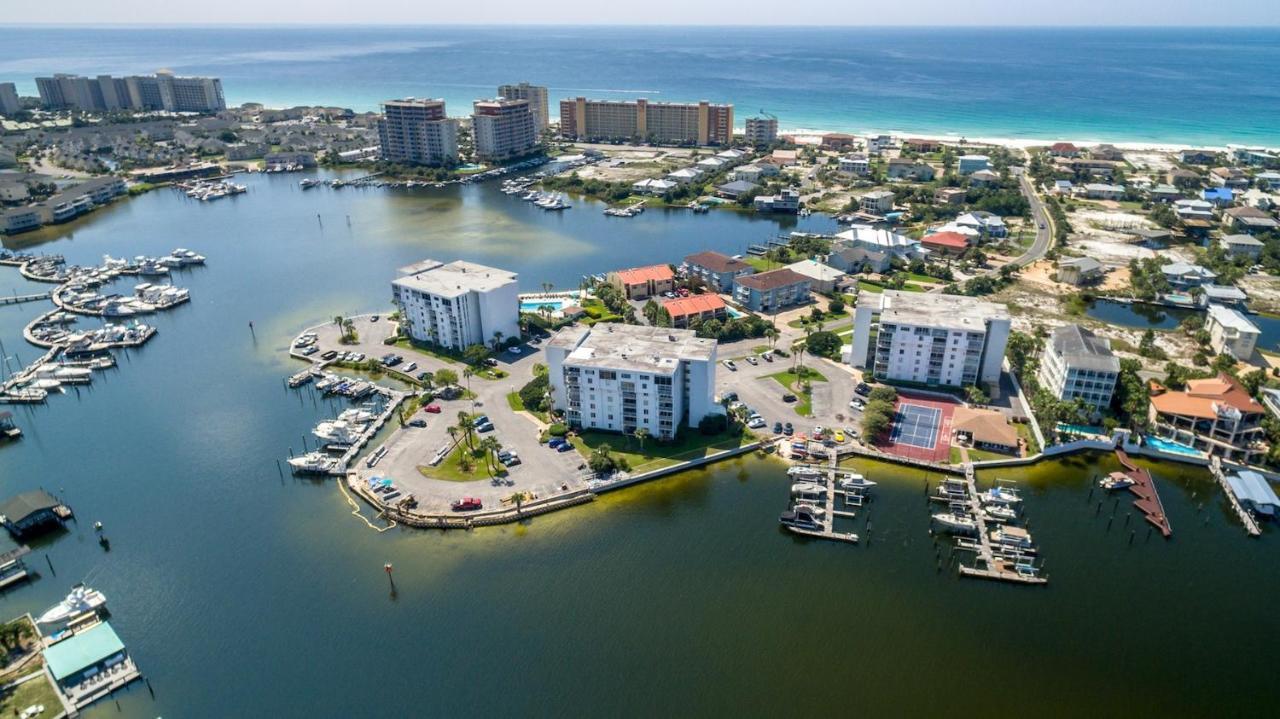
pixel 811 135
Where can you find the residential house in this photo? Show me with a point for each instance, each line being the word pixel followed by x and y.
pixel 1106 152
pixel 1164 193
pixel 786 201
pixel 784 158
pixel 1215 415
pixel 638 283
pixel 1062 187
pixel 1225 295
pixel 986 223
pixel 951 244
pixel 754 172
pixel 737 188
pixel 857 259
pixel 1260 199
pixel 837 141
pixel 1080 271
pixel 1064 149
pixel 880 240
pixel 854 165
pixel 653 187
pixel 1184 275
pixel 917 144
pixel 1238 246
pixel 1248 219
pixel 822 278
pixel 877 144
pixel 949 195
pixel 986 429
pixel 879 202
pixel 712 165
pixel 717 270
pixel 1197 157
pixel 771 291
pixel 1193 209
pixel 685 175
pixel 1232 177
pixel 1218 196
pixel 1101 191
pixel 983 178
pixel 687 311
pixel 1231 332
pixel 1077 364
pixel 1268 180
pixel 905 169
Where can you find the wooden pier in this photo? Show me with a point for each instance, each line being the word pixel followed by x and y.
pixel 19 299
pixel 1246 517
pixel 826 525
pixel 1148 499
pixel 995 567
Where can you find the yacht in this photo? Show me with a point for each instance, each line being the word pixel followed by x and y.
pixel 1116 480
pixel 357 416
pixel 1016 537
pixel 309 183
pixel 955 522
pixel 188 257
pixel 807 489
pixel 856 481
pixel 999 495
pixel 801 516
pixel 1000 513
pixel 113 263
pixel 66 375
pixel 313 463
pixel 808 474
pixel 338 432
pixel 80 601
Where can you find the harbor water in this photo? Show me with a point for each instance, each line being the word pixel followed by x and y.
pixel 243 592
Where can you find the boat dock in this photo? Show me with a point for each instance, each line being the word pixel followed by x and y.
pixel 823 524
pixel 1246 517
pixel 19 299
pixel 394 398
pixel 1148 498
pixel 997 562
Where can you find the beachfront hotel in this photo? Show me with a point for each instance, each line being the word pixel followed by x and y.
pixel 1077 364
pixel 702 123
pixel 537 97
pixel 620 378
pixel 162 91
pixel 503 129
pixel 457 305
pixel 930 339
pixel 417 131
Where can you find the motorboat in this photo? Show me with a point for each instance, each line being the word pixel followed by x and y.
pixel 808 474
pixel 313 463
pixel 80 601
pixel 801 516
pixel 956 522
pixel 338 432
pixel 807 489
pixel 357 416
pixel 1000 513
pixel 1115 481
pixel 63 374
pixel 1016 537
pixel 855 481
pixel 817 512
pixel 999 495
pixel 187 257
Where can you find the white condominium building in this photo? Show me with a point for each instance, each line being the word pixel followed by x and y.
pixel 929 339
pixel 619 378
pixel 162 91
pixel 537 97
pixel 503 129
pixel 416 131
pixel 701 123
pixel 458 304
pixel 1076 363
pixel 9 104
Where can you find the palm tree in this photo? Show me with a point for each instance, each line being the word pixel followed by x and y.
pixel 641 434
pixel 467 374
pixel 497 340
pixel 337 320
pixel 772 334
pixel 465 426
pixel 490 446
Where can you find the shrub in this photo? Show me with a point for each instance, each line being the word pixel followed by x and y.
pixel 713 424
pixel 557 429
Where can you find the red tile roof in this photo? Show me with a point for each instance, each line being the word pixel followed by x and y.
pixel 950 240
pixel 1063 147
pixel 641 275
pixel 1201 396
pixel 693 305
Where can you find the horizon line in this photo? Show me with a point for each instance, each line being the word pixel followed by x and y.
pixel 798 26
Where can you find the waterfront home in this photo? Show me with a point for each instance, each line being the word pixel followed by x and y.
pixel 822 278
pixel 952 244
pixel 754 172
pixel 1091 167
pixel 858 259
pixel 983 178
pixel 984 429
pixel 927 338
pixel 1256 156
pixel 286 160
pixel 854 165
pixel 1064 149
pixel 918 144
pixel 783 158
pixel 786 201
pixel 712 165
pixel 684 176
pixel 89 665
pixel 1197 157
pixel 458 304
pixel 684 311
pixel 1062 187
pixel 1232 177
pixel 877 203
pixel 901 168
pixel 1248 219
pixel 717 270
pixel 20 219
pixel 732 155
pixel 653 187
pixel 970 164
pixel 1103 191
pixel 771 291
pixel 1218 196
pixel 880 240
pixel 1077 364
pixel 638 283
pixel 1215 415
pixel 1230 332
pixel 837 141
pixel 1225 295
pixel 1238 246
pixel 1184 275
pixel 1193 209
pixel 986 223
pixel 737 188
pixel 1106 152
pixel 1254 493
pixel 1155 238
pixel 1079 271
pixel 620 378
pixel 32 512
pixel 950 195
pixel 877 144
pixel 1164 193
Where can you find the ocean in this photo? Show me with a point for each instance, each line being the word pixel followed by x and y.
pixel 1206 86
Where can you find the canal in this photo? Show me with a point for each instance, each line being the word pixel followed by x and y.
pixel 241 592
pixel 1158 317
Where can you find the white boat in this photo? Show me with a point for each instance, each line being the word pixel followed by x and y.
pixel 80 601
pixel 114 263
pixel 313 463
pixel 66 375
pixel 1012 537
pixel 338 432
pixel 801 516
pixel 856 481
pixel 1116 480
pixel 807 489
pixel 187 256
pixel 999 495
pixel 1000 513
pixel 357 416
pixel 807 472
pixel 956 522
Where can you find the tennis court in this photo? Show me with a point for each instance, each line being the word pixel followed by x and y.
pixel 916 425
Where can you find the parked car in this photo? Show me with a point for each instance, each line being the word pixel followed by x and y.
pixel 863 389
pixel 310 350
pixel 422 376
pixel 839 436
pixel 482 419
pixel 788 397
pixel 755 423
pixel 555 442
pixel 788 430
pixel 410 367
pixel 730 364
pixel 511 461
pixel 768 356
pixel 857 403
pixel 374 318
pixel 432 409
pixel 486 427
pixel 467 504
pixel 490 362
pixel 329 355
pixel 564 447
pixel 777 428
pixel 753 361
pixel 729 397
pixel 418 422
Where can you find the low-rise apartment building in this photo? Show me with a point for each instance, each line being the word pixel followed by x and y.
pixel 929 339
pixel 458 304
pixel 1077 364
pixel 771 291
pixel 716 270
pixel 638 283
pixel 685 311
pixel 620 378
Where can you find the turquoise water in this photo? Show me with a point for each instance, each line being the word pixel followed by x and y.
pixel 1195 85
pixel 1165 445
pixel 1080 429
pixel 535 305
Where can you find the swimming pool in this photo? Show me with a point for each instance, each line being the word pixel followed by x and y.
pixel 1165 445
pixel 554 303
pixel 1065 428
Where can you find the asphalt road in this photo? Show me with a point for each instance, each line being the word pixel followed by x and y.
pixel 1039 215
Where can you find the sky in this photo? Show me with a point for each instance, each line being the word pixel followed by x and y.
pixel 673 12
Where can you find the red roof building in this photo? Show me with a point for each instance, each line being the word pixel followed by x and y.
pixel 684 310
pixel 637 283
pixel 1064 149
pixel 947 243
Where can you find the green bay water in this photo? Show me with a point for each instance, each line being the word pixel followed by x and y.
pixel 242 593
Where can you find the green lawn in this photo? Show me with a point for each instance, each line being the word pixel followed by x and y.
pixel 36 691
pixel 1024 431
pixel 954 456
pixel 517 404
pixel 450 470
pixel 690 444
pixel 869 286
pixel 790 380
pixel 760 263
pixel 408 344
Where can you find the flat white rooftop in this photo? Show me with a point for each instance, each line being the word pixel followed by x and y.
pixel 1232 319
pixel 634 347
pixel 921 309
pixel 452 279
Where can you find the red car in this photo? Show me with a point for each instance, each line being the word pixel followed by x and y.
pixel 432 409
pixel 467 504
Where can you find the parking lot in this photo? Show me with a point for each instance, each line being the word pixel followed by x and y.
pixel 829 401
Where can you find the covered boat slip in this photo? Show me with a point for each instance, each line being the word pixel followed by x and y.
pixel 90 664
pixel 12 568
pixel 1254 492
